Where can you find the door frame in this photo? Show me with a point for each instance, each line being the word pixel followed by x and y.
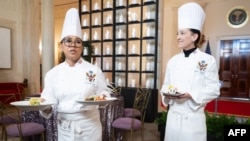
pixel 246 37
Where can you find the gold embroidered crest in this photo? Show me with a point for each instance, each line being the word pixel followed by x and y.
pixel 90 76
pixel 202 65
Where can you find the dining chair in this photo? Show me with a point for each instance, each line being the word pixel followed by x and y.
pixel 18 128
pixel 132 123
pixel 7 118
pixel 115 90
pixel 136 110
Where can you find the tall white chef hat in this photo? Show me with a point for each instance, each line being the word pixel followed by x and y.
pixel 191 15
pixel 71 25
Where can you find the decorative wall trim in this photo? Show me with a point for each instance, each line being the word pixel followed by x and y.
pixel 6 43
pixel 237 17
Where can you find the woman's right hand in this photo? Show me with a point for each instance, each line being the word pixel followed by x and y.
pixel 42 99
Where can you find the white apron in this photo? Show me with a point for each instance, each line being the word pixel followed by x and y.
pixel 83 126
pixel 185 126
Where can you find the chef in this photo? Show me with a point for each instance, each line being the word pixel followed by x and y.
pixel 74 80
pixel 195 76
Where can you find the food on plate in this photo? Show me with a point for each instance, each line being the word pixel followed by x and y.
pixel 96 98
pixel 172 89
pixel 34 101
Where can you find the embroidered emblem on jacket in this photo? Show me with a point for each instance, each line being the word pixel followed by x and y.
pixel 90 76
pixel 202 65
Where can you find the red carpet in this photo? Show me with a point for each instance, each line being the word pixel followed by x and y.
pixel 230 107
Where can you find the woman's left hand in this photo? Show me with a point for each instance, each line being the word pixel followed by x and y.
pixel 185 95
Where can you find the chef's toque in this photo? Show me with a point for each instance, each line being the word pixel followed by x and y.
pixel 191 15
pixel 71 25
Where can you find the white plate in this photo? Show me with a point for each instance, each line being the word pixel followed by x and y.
pixel 177 94
pixel 24 105
pixel 103 102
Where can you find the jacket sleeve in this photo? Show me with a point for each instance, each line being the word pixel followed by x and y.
pixel 101 84
pixel 48 94
pixel 164 88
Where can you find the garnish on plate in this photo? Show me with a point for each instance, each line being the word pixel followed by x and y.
pixel 34 101
pixel 96 98
pixel 172 89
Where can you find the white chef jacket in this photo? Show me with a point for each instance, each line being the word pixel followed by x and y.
pixel 197 75
pixel 64 85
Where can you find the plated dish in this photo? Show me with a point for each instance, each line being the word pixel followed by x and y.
pixel 101 102
pixel 25 105
pixel 28 98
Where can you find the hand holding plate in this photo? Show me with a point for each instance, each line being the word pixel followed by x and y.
pixel 177 95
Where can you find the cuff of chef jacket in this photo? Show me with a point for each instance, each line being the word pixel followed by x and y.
pixel 106 93
pixel 166 101
pixel 45 114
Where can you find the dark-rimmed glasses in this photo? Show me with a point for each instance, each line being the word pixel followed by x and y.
pixel 68 42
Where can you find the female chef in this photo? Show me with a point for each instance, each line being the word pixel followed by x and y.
pixel 194 74
pixel 72 80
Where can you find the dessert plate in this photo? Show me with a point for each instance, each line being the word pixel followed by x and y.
pixel 24 105
pixel 177 94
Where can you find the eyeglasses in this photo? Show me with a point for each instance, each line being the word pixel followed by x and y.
pixel 68 42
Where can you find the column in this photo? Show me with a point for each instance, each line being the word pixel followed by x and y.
pixel 47 23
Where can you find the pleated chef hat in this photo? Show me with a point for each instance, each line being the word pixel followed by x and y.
pixel 71 25
pixel 191 15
